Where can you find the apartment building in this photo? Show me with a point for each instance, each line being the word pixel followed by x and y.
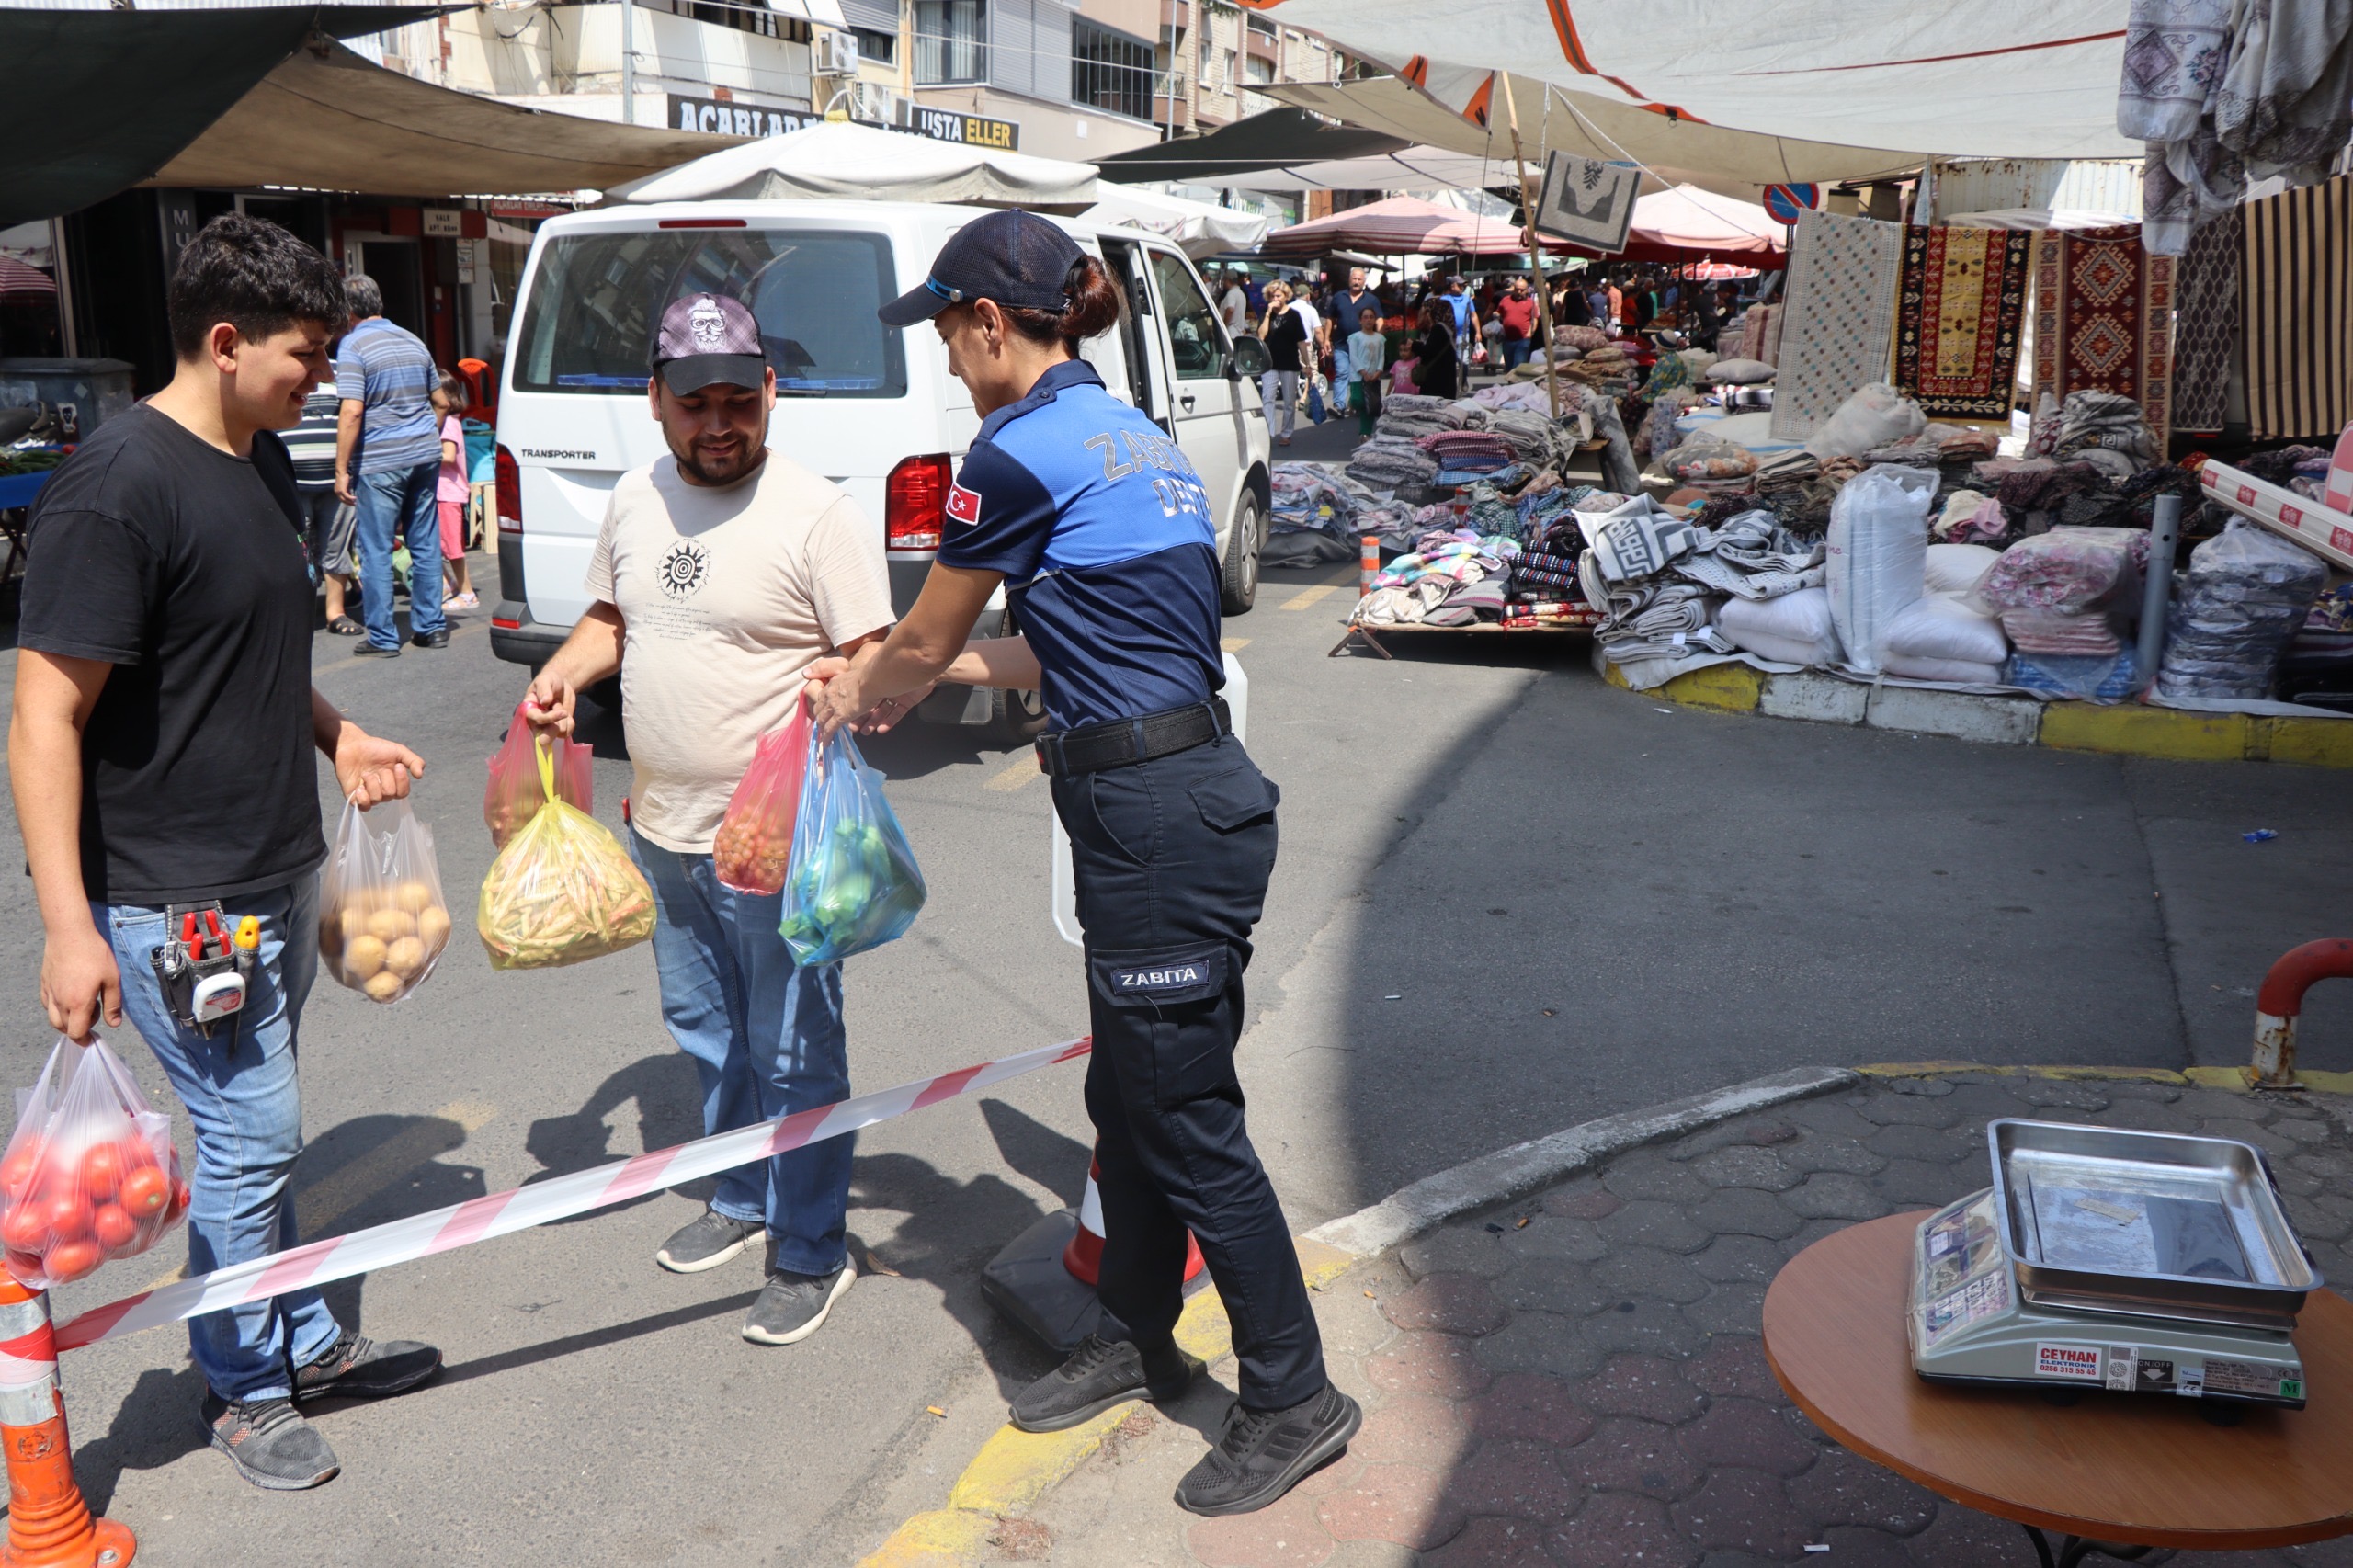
pixel 1213 59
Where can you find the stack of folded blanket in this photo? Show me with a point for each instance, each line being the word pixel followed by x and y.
pixel 1388 462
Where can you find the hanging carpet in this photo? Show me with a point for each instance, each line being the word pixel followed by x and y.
pixel 2103 320
pixel 1957 319
pixel 2206 324
pixel 2297 318
pixel 1840 320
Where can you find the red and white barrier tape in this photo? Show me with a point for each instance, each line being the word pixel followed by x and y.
pixel 501 1213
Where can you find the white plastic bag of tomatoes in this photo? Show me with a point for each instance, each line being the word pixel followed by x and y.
pixel 90 1172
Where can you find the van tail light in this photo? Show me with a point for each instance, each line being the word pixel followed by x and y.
pixel 915 503
pixel 510 493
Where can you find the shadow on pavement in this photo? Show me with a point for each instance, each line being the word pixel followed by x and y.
pixel 669 1112
pixel 1055 1162
pixel 592 1339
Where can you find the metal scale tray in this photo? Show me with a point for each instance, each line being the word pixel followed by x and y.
pixel 2146 1225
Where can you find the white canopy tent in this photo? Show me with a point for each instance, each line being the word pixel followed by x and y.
pixel 2005 79
pixel 1412 170
pixel 860 162
pixel 1199 229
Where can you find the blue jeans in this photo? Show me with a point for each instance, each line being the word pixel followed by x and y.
pixel 766 1039
pixel 1516 352
pixel 242 1098
pixel 400 503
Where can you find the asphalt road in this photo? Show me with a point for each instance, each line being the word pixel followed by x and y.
pixel 1510 898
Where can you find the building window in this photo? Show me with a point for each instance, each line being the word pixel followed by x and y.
pixel 1109 71
pixel 875 49
pixel 951 41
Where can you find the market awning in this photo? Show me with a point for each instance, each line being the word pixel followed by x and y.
pixel 1408 170
pixel 101 99
pixel 860 162
pixel 1732 162
pixel 328 119
pixel 1198 228
pixel 1671 225
pixel 1280 138
pixel 1403 225
pixel 2006 79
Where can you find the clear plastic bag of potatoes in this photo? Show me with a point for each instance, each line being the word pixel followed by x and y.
pixel 382 921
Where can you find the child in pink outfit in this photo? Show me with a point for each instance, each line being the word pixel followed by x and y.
pixel 449 400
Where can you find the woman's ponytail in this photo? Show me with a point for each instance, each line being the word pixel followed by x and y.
pixel 1095 308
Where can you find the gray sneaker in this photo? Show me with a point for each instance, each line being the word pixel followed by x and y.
pixel 794 1306
pixel 707 1242
pixel 269 1442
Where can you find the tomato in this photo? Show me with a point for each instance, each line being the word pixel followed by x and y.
pixel 67 1215
pixel 71 1260
pixel 24 1229
pixel 104 1166
pixel 146 1191
pixel 17 1170
pixel 25 1265
pixel 112 1225
pixel 178 1204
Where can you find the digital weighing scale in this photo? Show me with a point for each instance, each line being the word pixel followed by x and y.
pixel 2104 1258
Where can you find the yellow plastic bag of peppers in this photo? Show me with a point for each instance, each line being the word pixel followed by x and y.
pixel 562 890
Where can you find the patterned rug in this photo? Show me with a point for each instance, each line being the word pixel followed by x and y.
pixel 2206 324
pixel 1957 321
pixel 2298 322
pixel 2103 319
pixel 1841 319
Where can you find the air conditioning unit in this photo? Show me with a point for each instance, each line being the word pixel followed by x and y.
pixel 836 53
pixel 873 103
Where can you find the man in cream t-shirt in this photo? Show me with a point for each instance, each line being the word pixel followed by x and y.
pixel 722 572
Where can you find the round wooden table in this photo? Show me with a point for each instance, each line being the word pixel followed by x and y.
pixel 2113 1473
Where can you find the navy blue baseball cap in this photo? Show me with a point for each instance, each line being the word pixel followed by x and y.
pixel 1016 258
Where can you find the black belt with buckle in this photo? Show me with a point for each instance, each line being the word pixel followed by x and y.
pixel 1123 743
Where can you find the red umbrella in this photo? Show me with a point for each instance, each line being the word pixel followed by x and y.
pixel 16 279
pixel 1717 272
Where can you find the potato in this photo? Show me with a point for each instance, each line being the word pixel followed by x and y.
pixel 352 919
pixel 405 957
pixel 385 987
pixel 364 957
pixel 330 938
pixel 414 897
pixel 433 926
pixel 388 925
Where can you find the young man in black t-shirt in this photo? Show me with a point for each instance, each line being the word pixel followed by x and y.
pixel 160 755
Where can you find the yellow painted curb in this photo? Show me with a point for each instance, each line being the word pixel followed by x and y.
pixel 2237 1079
pixel 2314 742
pixel 1726 688
pixel 1014 1469
pixel 2147 732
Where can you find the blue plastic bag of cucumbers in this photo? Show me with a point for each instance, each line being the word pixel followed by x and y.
pixel 852 883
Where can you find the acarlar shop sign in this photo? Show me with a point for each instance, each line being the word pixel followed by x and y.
pixel 726 117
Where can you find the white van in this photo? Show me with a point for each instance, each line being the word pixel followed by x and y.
pixel 871 408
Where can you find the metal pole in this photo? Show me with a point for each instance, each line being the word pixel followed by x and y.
pixel 2164 531
pixel 629 62
pixel 1535 256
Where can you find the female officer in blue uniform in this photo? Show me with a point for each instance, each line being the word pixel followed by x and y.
pixel 1101 533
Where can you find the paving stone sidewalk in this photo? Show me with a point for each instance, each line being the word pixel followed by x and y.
pixel 1576 1379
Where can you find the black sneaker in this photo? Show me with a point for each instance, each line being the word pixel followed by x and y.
pixel 794 1306
pixel 707 1242
pixel 1265 1453
pixel 369 650
pixel 431 638
pixel 1100 1374
pixel 270 1443
pixel 358 1367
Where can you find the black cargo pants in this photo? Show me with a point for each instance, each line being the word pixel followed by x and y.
pixel 1172 859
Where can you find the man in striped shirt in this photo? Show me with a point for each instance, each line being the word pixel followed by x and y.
pixel 327 518
pixel 387 460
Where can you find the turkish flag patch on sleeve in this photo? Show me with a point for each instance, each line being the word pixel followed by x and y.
pixel 963 504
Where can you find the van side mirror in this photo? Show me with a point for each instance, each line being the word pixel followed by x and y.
pixel 1250 359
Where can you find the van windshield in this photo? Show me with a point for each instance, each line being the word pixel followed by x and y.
pixel 596 300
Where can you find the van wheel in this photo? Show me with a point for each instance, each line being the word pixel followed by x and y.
pixel 1241 544
pixel 1018 716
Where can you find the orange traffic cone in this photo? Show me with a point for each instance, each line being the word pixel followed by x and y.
pixel 48 1524
pixel 1084 1255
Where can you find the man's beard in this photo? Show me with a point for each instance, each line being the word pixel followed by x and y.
pixel 750 456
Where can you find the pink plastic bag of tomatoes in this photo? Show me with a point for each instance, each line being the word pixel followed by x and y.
pixel 754 846
pixel 515 794
pixel 90 1172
